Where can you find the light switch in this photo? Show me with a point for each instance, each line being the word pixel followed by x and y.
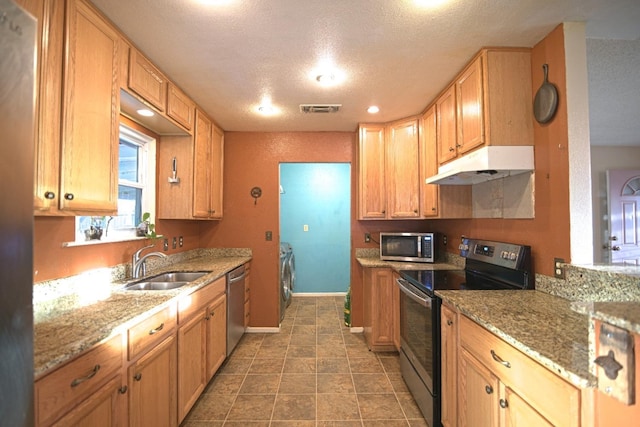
pixel 305 227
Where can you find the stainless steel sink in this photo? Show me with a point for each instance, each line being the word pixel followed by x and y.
pixel 166 281
pixel 178 276
pixel 154 286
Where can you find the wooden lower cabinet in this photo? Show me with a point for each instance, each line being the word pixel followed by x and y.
pixel 202 341
pixel 104 408
pixel 449 366
pixel 381 309
pixel 152 387
pixel 500 386
pixel 247 294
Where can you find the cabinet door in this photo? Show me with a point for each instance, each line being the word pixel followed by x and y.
pixel 179 107
pixel 216 335
pixel 446 125
pixel 371 176
pixel 216 174
pixel 470 107
pixel 381 335
pixel 201 167
pixel 478 401
pixel 428 164
pixel 191 362
pixel 518 413
pixel 402 170
pixel 102 409
pixel 147 81
pixel 449 361
pixel 152 387
pixel 89 159
pixel 50 15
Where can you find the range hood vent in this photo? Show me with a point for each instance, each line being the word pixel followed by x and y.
pixel 485 164
pixel 320 108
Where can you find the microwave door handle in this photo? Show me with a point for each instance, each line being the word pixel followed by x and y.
pixel 402 284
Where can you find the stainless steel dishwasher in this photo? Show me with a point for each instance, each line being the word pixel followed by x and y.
pixel 235 307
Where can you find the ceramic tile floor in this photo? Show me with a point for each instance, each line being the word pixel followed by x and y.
pixel 315 372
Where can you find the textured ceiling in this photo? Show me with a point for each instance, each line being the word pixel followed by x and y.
pixel 394 54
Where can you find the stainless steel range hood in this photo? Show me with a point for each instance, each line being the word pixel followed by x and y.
pixel 485 164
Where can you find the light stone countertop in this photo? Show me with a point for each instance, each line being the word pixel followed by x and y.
pixel 625 315
pixel 542 326
pixel 73 324
pixel 376 262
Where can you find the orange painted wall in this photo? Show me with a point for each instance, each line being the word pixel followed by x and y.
pixel 252 159
pixel 548 232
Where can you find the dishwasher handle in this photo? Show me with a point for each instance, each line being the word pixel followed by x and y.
pixel 236 275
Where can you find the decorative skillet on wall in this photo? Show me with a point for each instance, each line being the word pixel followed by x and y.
pixel 546 101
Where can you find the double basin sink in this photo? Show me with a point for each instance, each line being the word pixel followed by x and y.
pixel 165 281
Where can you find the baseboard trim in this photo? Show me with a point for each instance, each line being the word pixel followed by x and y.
pixel 261 330
pixel 356 329
pixel 318 294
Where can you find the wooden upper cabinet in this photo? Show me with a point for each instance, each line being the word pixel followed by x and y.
pixel 428 164
pixel 217 170
pixel 371 172
pixel 180 107
pixel 446 125
pixel 402 170
pixel 90 133
pixel 470 111
pixel 489 103
pixel 201 166
pixel 147 81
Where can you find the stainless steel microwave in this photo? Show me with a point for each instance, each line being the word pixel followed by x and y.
pixel 412 247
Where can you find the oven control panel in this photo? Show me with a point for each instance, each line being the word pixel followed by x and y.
pixel 507 255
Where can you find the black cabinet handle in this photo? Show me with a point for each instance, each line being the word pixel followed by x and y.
pixel 488 389
pixel 137 376
pixel 503 403
pixel 50 195
pixel 68 196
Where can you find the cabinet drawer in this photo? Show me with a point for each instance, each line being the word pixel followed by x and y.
pixel 150 331
pixel 59 391
pixel 554 398
pixel 190 304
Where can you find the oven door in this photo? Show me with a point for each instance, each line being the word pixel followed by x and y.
pixel 419 329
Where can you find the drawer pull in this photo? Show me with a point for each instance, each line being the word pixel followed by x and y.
pixel 488 389
pixel 137 376
pixel 156 330
pixel 500 360
pixel 503 403
pixel 80 380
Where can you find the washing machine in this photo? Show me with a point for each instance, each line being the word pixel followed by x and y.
pixel 286 276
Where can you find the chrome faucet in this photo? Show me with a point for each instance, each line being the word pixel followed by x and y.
pixel 139 264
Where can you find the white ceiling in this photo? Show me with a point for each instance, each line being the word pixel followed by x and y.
pixel 394 54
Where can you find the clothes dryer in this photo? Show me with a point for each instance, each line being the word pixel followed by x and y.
pixel 285 277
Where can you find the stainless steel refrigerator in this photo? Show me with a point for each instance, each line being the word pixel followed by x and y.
pixel 17 100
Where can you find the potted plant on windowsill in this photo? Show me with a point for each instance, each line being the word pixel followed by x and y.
pixel 146 228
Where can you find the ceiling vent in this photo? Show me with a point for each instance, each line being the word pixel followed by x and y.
pixel 320 108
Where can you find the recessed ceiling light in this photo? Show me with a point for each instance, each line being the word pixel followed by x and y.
pixel 373 109
pixel 325 78
pixel 267 110
pixel 145 112
pixel 430 3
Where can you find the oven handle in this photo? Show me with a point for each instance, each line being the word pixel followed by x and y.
pixel 405 287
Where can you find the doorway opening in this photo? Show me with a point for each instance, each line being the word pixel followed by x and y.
pixel 315 220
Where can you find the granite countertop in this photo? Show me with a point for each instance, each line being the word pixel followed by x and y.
pixel 542 326
pixel 376 262
pixel 71 324
pixel 623 314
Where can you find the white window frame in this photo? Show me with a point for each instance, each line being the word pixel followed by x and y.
pixel 147 179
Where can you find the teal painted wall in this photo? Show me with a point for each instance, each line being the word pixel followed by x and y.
pixel 317 195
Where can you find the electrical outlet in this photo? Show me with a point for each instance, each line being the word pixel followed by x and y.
pixel 444 240
pixel 180 241
pixel 165 245
pixel 367 237
pixel 558 268
pixel 174 242
pixel 268 236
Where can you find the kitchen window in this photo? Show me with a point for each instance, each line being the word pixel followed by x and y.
pixel 136 191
